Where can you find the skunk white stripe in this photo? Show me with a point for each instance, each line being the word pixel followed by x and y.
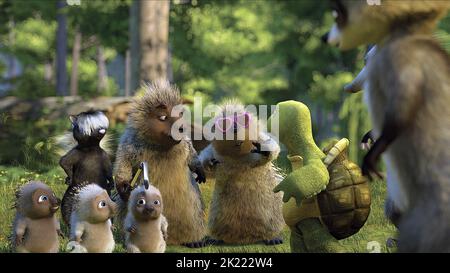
pixel 90 123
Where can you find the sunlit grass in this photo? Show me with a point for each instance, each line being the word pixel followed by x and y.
pixel 376 229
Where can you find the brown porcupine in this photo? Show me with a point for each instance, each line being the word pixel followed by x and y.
pixel 36 228
pixel 244 208
pixel 171 162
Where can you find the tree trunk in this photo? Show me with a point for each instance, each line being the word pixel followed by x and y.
pixel 48 71
pixel 135 54
pixel 101 68
pixel 75 60
pixel 61 50
pixel 10 57
pixel 169 66
pixel 127 73
pixel 154 36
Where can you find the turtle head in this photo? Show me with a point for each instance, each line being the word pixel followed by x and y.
pixel 294 122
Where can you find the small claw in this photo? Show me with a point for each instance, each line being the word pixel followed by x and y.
pixel 213 162
pixel 274 241
pixel 368 166
pixel 276 189
pixel 60 234
pixel 201 177
pixel 212 242
pixel 257 145
pixel 131 229
pixel 198 244
pixel 258 149
pixel 68 181
pixel 286 198
pixel 365 146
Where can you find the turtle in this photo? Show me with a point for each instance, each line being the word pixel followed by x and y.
pixel 326 197
pixel 345 203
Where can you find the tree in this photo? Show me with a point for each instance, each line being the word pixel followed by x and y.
pixel 75 61
pixel 61 50
pixel 154 36
pixel 134 56
pixel 101 70
pixel 104 26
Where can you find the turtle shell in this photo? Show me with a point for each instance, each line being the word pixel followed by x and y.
pixel 345 203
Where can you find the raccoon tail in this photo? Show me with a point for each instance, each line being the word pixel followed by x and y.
pixel 75 247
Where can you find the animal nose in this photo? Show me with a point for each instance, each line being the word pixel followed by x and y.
pixel 56 201
pixel 149 209
pixel 324 38
pixel 113 208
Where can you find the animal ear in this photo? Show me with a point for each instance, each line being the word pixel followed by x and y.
pixel 73 118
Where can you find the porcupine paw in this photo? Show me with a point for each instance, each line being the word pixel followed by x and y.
pixel 197 244
pixel 274 241
pixel 213 242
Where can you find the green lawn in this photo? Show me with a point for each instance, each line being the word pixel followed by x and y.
pixel 376 230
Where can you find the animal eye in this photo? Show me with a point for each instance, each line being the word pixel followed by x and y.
pixel 156 202
pixel 42 198
pixel 162 118
pixel 141 202
pixel 101 204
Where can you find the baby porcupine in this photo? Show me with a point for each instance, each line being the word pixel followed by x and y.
pixel 86 162
pixel 35 227
pixel 145 226
pixel 171 162
pixel 90 221
pixel 244 208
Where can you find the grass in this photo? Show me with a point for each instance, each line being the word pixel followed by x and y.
pixel 375 232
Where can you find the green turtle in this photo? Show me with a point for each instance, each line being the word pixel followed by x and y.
pixel 331 199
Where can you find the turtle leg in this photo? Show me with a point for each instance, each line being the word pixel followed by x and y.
pixel 297 241
pixel 317 238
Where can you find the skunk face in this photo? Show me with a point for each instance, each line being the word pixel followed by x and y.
pixel 89 127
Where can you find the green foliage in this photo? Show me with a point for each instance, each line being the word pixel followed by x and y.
pixel 221 41
pixel 29 144
pixel 355 123
pixel 105 19
pixel 32 79
pixel 327 90
pixel 258 51
pixel 34 41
